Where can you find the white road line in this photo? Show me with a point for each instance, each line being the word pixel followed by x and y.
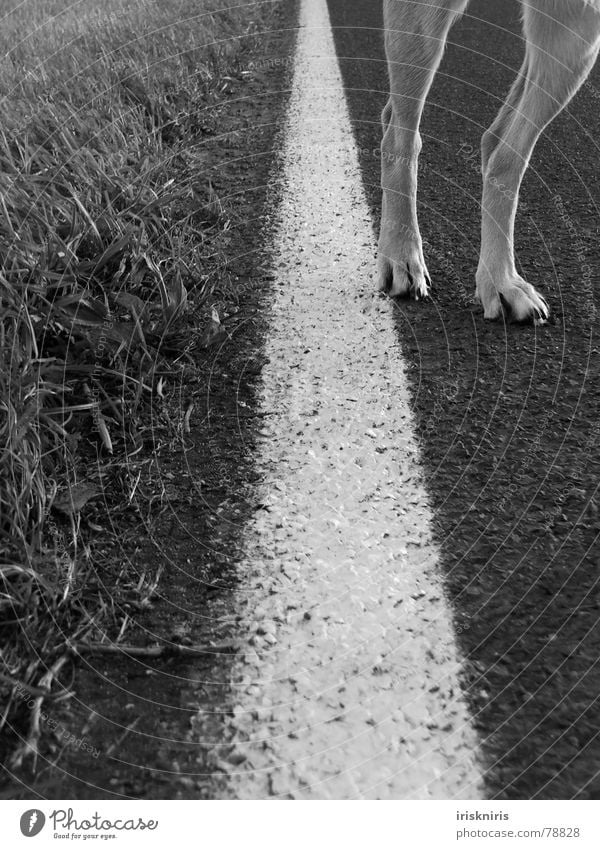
pixel 351 686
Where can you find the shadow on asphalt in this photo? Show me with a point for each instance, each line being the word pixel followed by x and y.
pixel 508 416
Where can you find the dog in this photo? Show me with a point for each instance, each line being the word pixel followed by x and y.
pixel 562 39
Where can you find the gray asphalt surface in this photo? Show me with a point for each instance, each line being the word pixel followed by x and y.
pixel 508 416
pixel 347 680
pixel 507 421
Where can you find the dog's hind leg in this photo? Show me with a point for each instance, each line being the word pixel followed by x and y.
pixel 415 36
pixel 563 39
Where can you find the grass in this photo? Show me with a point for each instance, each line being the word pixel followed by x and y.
pixel 104 218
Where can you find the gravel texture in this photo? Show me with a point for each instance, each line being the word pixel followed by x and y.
pixel 507 416
pixel 350 685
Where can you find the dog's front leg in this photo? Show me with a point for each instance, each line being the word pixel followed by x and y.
pixel 415 35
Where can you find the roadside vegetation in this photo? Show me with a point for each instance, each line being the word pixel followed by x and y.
pixel 105 220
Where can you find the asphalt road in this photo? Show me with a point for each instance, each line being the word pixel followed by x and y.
pixel 508 416
pixel 346 685
pixel 508 420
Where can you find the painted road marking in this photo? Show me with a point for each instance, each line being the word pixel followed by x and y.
pixel 350 685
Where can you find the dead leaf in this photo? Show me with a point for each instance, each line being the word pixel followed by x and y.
pixel 75 498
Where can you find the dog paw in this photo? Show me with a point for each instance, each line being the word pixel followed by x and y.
pixel 515 299
pixel 405 278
